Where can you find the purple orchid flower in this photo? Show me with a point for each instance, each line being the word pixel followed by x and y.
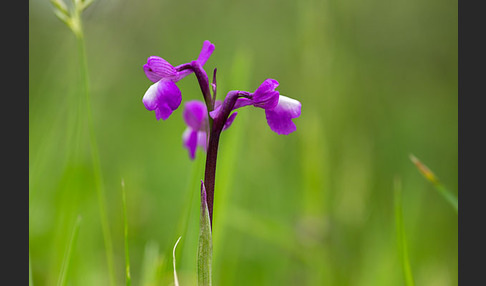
pixel 279 109
pixel 195 116
pixel 204 129
pixel 280 118
pixel 164 96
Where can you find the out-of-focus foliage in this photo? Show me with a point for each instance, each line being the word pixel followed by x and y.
pixel 377 81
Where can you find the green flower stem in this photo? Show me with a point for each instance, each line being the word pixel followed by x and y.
pixel 95 156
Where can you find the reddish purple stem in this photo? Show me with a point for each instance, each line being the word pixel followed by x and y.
pixel 216 126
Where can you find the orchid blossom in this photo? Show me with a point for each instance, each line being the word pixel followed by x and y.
pixel 196 119
pixel 279 109
pixel 206 120
pixel 164 96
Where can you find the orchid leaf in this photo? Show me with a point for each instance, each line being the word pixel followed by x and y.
pixel 205 246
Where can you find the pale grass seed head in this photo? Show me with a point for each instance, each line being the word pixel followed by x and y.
pixel 71 16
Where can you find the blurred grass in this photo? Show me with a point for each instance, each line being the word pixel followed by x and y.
pixel 151 264
pixel 402 244
pixel 431 177
pixel 31 283
pixel 377 81
pixel 69 252
pixel 128 279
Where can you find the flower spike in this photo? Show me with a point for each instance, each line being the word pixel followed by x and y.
pixel 206 120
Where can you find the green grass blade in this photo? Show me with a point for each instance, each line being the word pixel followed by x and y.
pixel 205 245
pixel 431 177
pixel 196 174
pixel 68 254
pixel 268 230
pixel 151 264
pixel 448 196
pixel 400 230
pixel 187 215
pixel 125 221
pixel 176 280
pixel 73 21
pixel 231 144
pixel 96 160
pixel 31 282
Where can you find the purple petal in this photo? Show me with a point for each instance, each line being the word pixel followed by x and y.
pixel 182 74
pixel 190 140
pixel 206 51
pixel 242 101
pixel 195 114
pixel 157 68
pixel 280 118
pixel 238 104
pixel 164 97
pixel 266 96
pixel 202 140
pixel 215 112
pixel 150 98
pixel 230 120
pixel 163 111
pixel 170 93
pixel 267 85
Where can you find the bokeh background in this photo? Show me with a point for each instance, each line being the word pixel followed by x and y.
pixel 377 81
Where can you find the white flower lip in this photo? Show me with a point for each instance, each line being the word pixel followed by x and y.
pixel 290 105
pixel 150 96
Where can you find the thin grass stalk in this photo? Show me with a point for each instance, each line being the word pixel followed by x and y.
pixel 449 197
pixel 128 280
pixel 401 240
pixel 183 223
pixel 95 158
pixel 431 177
pixel 176 280
pixel 31 281
pixel 151 264
pixel 68 254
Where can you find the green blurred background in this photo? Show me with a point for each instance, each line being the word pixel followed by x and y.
pixel 377 81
